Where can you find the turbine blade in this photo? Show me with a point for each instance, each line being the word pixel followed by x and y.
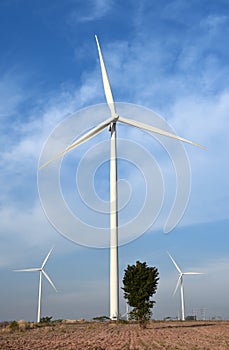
pixel 157 131
pixel 106 84
pixel 45 260
pixel 81 140
pixel 49 279
pixel 174 262
pixel 178 282
pixel 28 270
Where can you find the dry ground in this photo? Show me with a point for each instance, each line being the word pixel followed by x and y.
pixel 198 335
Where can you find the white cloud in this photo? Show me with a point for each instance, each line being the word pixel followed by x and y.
pixel 14 221
pixel 213 22
pixel 140 76
pixel 11 93
pixel 94 10
pixel 130 69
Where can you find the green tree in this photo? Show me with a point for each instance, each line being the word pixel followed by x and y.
pixel 140 283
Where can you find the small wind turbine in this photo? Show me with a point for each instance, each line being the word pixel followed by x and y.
pixel 126 313
pixel 180 281
pixel 111 124
pixel 41 269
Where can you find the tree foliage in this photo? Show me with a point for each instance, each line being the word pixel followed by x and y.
pixel 140 284
pixel 14 326
pixel 46 319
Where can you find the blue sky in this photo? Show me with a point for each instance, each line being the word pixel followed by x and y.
pixel 168 56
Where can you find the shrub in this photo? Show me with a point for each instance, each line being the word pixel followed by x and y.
pixel 101 318
pixel 46 319
pixel 14 326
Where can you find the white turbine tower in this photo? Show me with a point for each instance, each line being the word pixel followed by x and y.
pixel 180 281
pixel 41 270
pixel 111 123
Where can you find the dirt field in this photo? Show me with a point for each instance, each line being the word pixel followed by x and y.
pixel 100 336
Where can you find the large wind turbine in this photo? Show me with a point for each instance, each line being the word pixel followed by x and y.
pixel 180 281
pixel 111 124
pixel 41 270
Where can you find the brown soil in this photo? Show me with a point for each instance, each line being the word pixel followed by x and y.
pixel 198 335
